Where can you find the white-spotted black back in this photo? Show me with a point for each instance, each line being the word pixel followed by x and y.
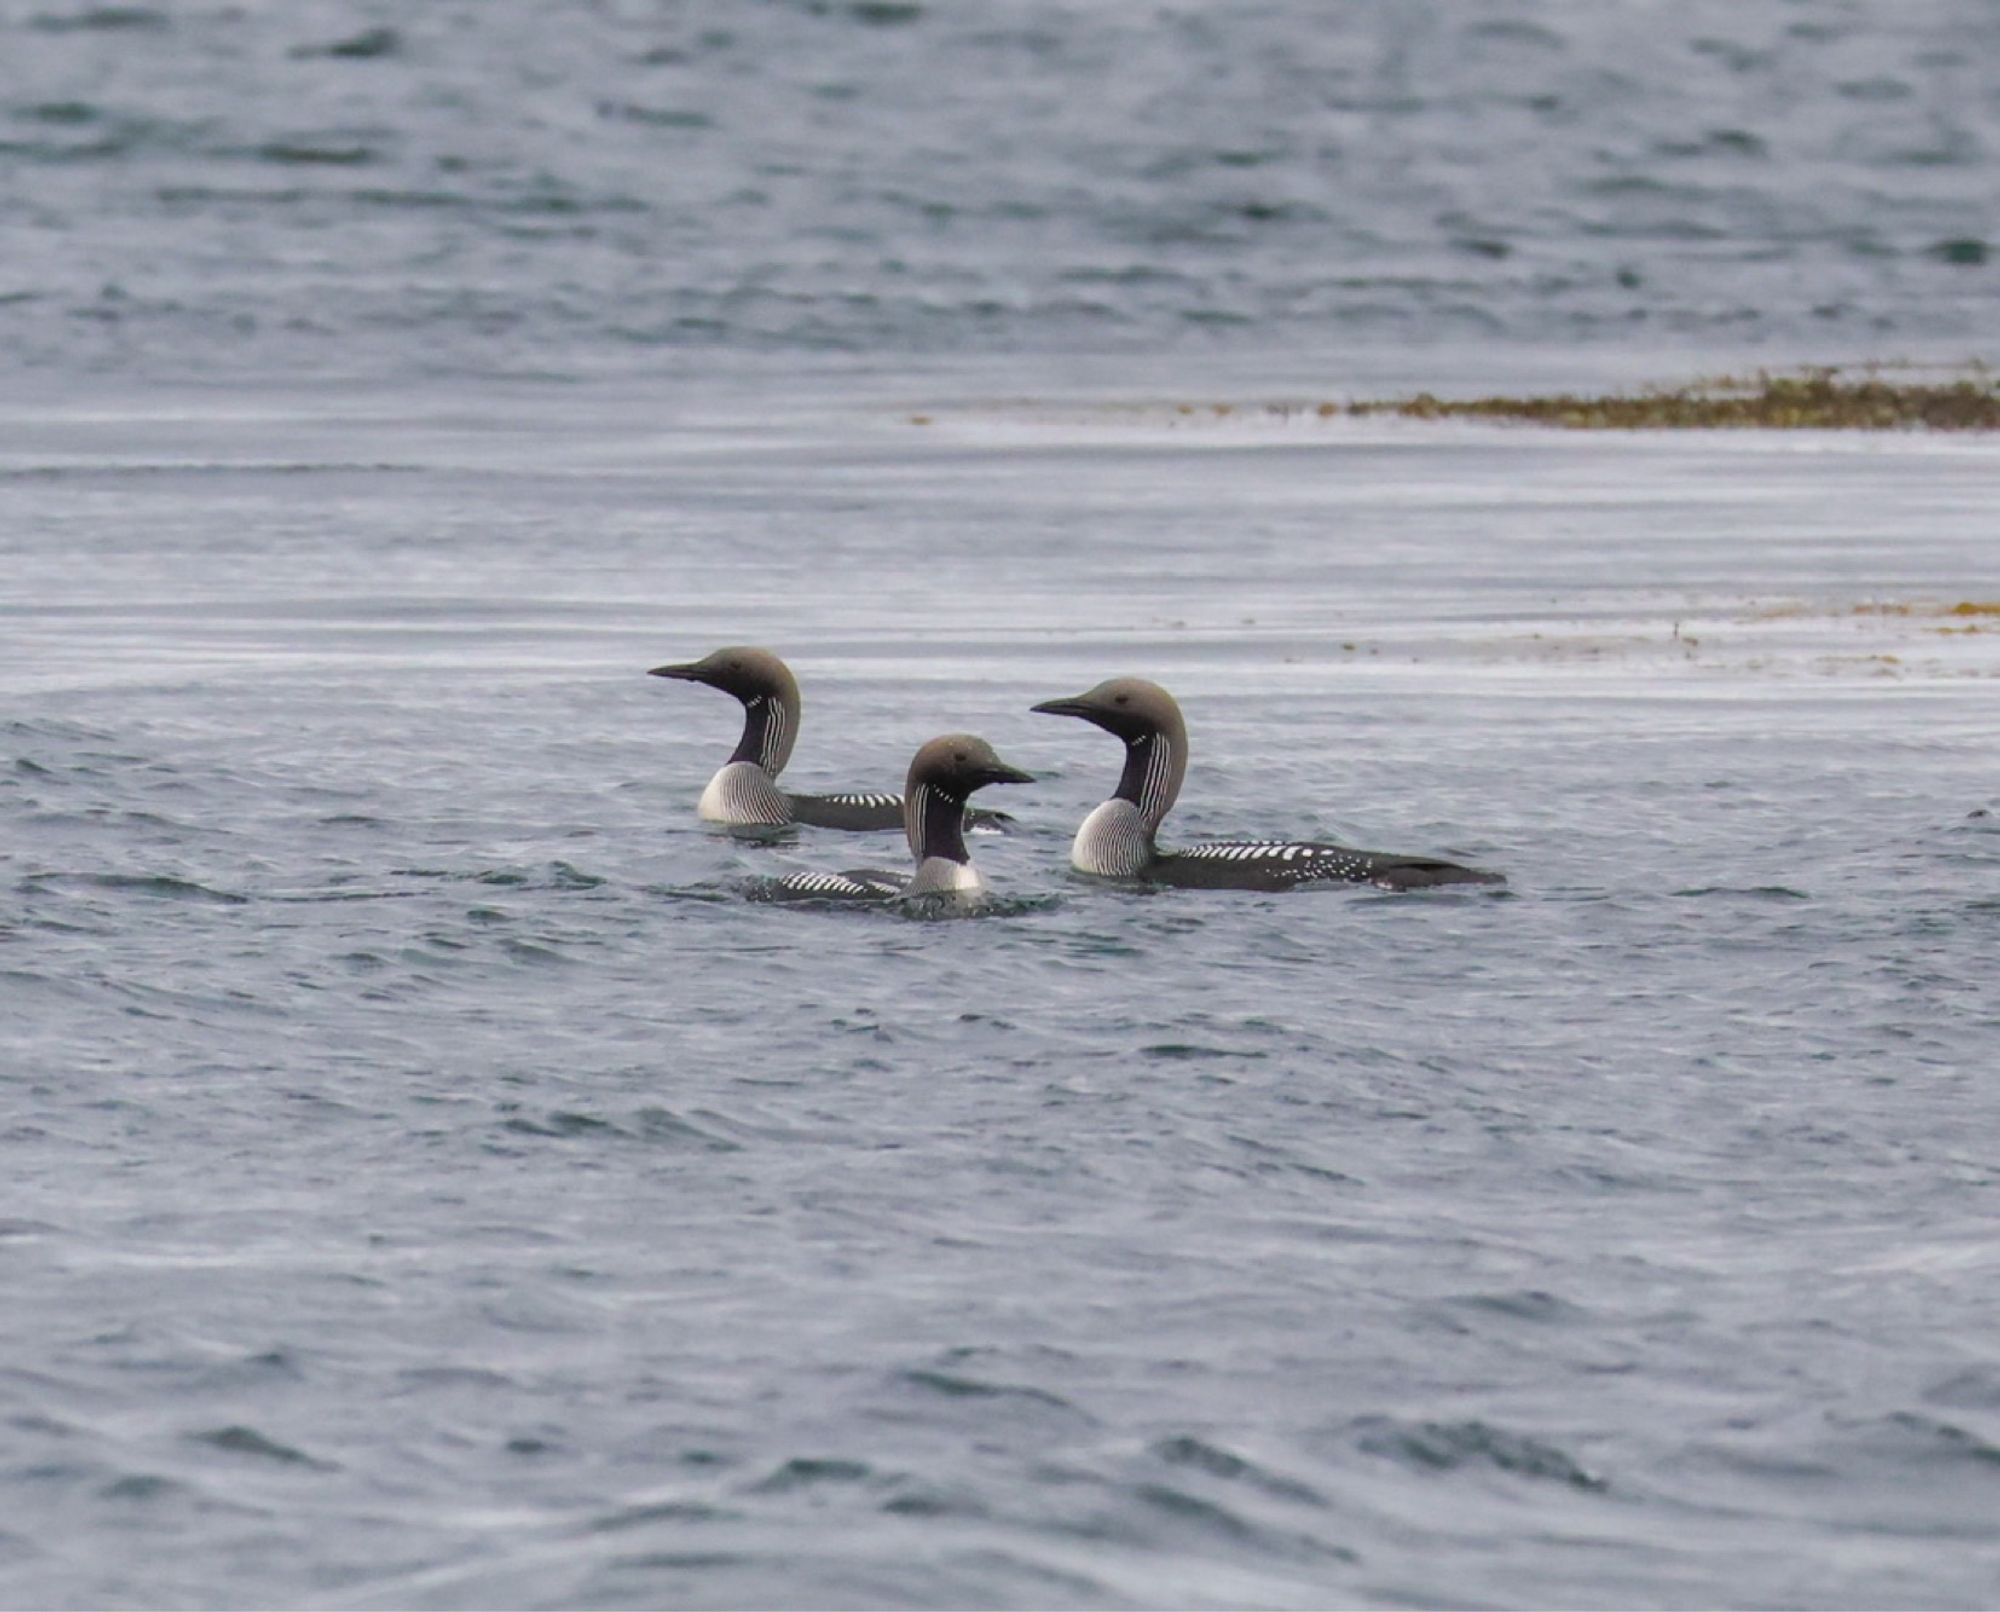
pixel 856 884
pixel 1284 865
pixel 864 800
pixel 1292 860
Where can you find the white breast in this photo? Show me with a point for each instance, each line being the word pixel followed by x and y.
pixel 1113 842
pixel 742 793
pixel 939 875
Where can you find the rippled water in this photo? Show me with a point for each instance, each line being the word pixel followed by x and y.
pixel 429 1181
pixel 508 186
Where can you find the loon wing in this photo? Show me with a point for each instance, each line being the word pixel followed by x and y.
pixel 865 812
pixel 856 884
pixel 1285 865
pixel 1390 872
pixel 858 811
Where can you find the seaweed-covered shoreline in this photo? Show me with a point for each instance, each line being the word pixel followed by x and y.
pixel 1820 398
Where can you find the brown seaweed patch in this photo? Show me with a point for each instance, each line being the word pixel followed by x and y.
pixel 1895 607
pixel 1821 398
pixel 1880 665
pixel 1968 611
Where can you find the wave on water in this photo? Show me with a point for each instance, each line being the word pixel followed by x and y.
pixel 512 186
pixel 163 886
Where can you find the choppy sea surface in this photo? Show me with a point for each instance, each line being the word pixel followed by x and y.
pixel 487 185
pixel 430 1181
pixel 427 1180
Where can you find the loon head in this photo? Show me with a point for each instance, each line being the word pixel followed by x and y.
pixel 942 775
pixel 740 670
pixel 770 696
pixel 1145 716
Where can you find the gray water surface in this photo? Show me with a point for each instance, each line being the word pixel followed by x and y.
pixel 363 186
pixel 429 1181
pixel 425 1179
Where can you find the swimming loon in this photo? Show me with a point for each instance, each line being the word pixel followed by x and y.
pixel 942 774
pixel 745 792
pixel 1116 840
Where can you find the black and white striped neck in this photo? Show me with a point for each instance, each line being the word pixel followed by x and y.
pixel 1155 763
pixel 934 821
pixel 770 727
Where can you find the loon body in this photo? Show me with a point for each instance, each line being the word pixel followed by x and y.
pixel 942 775
pixel 1118 839
pixel 745 792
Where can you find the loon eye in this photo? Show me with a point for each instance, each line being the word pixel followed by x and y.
pixel 1124 699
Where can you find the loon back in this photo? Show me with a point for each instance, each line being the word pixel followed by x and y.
pixel 856 884
pixel 869 812
pixel 1287 865
pixel 1120 838
pixel 859 811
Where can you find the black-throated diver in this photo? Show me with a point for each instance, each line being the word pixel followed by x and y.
pixel 942 775
pixel 745 792
pixel 1117 839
